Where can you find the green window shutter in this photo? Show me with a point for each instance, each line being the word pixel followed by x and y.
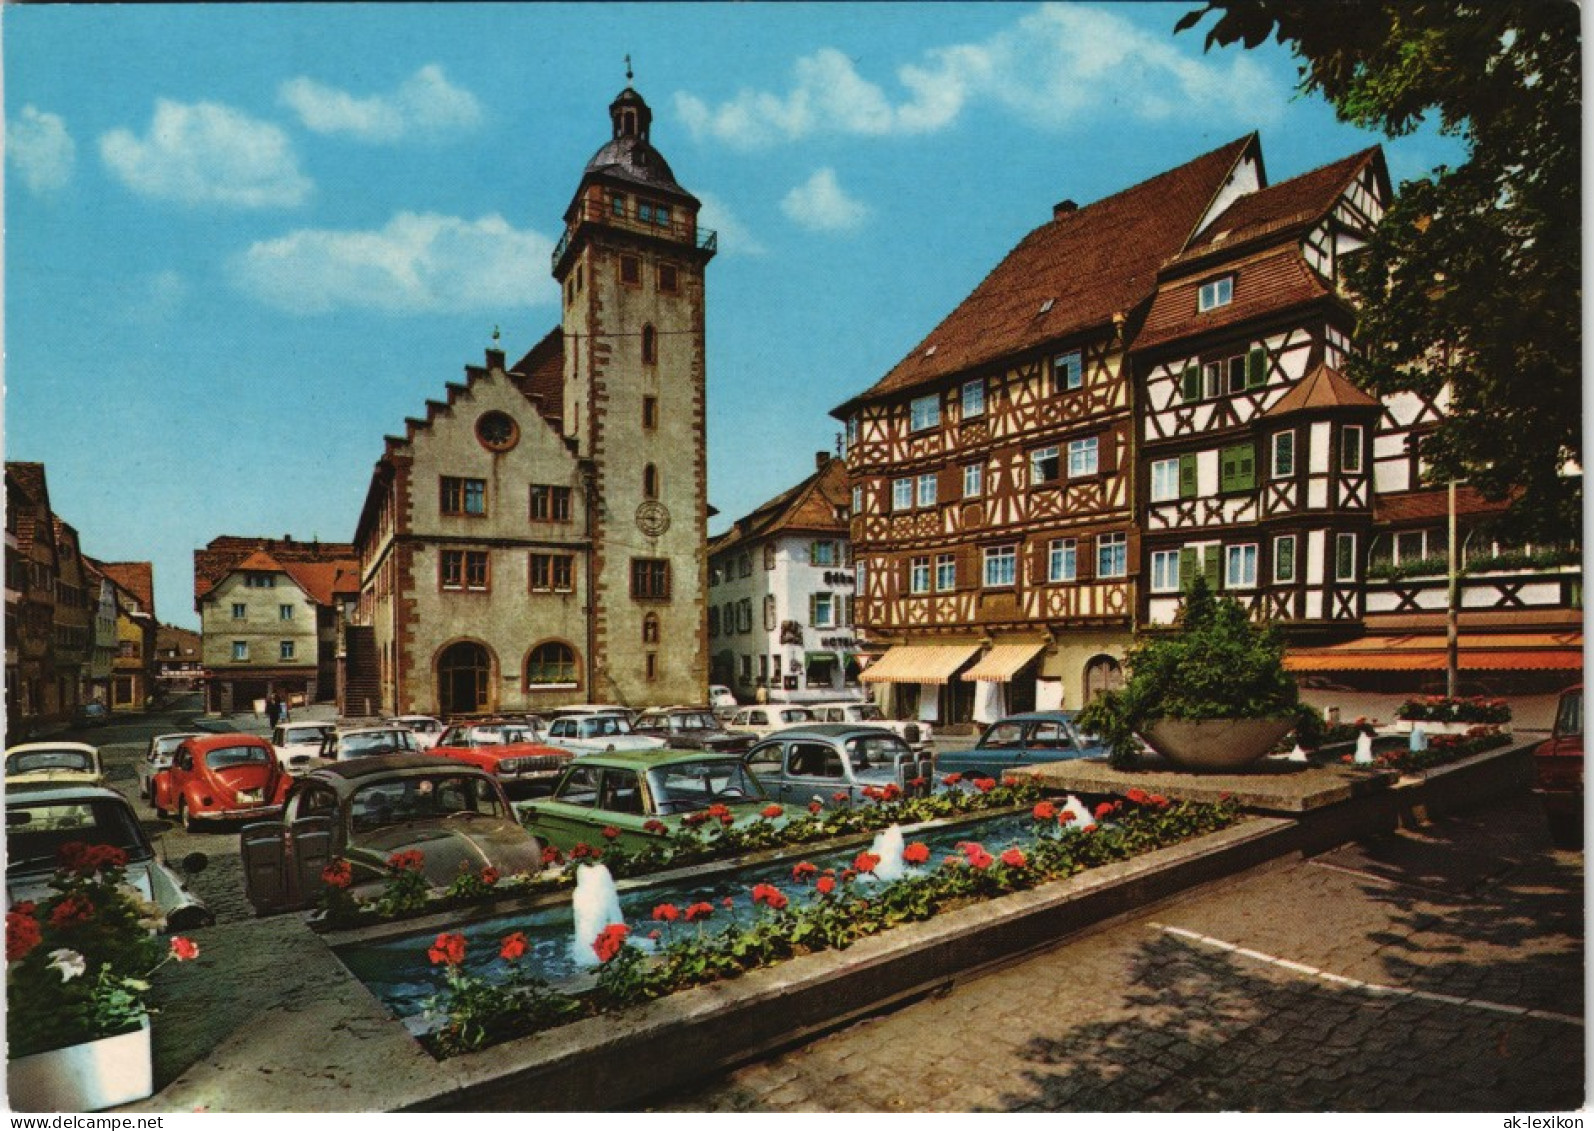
pixel 1191 387
pixel 813 608
pixel 1187 475
pixel 1227 465
pixel 1256 369
pixel 1245 467
pixel 1187 566
pixel 1209 565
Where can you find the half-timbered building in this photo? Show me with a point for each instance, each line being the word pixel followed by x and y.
pixel 993 467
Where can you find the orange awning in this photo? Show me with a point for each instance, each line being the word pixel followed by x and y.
pixel 1559 651
pixel 1003 661
pixel 919 663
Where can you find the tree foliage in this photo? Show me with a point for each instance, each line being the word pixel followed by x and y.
pixel 1473 277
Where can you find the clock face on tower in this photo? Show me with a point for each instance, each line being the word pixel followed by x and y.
pixel 652 518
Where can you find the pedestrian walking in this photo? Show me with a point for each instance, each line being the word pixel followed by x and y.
pixel 271 711
pixel 282 710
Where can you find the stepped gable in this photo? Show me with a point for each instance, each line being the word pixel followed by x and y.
pixel 1091 263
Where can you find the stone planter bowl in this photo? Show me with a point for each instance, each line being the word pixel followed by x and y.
pixel 1214 744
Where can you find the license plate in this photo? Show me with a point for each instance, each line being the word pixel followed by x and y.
pixel 249 795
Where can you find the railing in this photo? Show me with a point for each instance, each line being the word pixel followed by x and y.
pixel 682 231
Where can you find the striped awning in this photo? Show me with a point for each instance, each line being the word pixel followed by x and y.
pixel 1548 651
pixel 1003 661
pixel 919 663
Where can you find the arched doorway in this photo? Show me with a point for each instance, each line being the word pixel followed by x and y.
pixel 1103 673
pixel 464 678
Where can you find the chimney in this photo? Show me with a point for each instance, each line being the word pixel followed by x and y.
pixel 1063 208
pixel 820 460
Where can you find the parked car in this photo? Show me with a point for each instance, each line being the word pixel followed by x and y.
pixel 510 753
pixel 767 718
pixel 722 700
pixel 41 818
pixel 159 756
pixel 221 777
pixel 585 734
pixel 91 714
pixel 1558 771
pixel 916 734
pixel 570 709
pixel 1023 740
pixel 367 742
pixel 692 728
pixel 821 760
pixel 66 762
pixel 299 744
pixel 627 790
pixel 426 729
pixel 368 809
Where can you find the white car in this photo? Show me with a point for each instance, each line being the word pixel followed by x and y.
pixel 722 701
pixel 426 729
pixel 298 745
pixel 911 731
pixel 766 718
pixel 159 757
pixel 67 763
pixel 368 742
pixel 597 734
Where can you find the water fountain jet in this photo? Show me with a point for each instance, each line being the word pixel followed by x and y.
pixel 595 905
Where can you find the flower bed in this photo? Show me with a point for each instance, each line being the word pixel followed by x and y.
pixel 1439 709
pixel 826 909
pixel 709 835
pixel 1442 750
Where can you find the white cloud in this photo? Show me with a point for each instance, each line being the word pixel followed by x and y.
pixel 1055 67
pixel 735 238
pixel 820 204
pixel 40 148
pixel 426 104
pixel 207 153
pixel 418 263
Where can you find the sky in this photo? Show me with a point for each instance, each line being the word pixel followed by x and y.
pixel 244 242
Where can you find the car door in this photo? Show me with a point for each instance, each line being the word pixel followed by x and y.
pixel 569 816
pixel 167 785
pixel 767 763
pixel 815 770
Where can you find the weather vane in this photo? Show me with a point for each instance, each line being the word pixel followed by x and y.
pixel 628 75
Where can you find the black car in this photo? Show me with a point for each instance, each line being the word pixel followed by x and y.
pixel 692 728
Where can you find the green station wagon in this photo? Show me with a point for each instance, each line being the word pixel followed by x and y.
pixel 637 792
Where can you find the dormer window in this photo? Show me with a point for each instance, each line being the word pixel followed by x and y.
pixel 1218 292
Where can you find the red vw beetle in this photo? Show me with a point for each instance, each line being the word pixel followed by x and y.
pixel 221 777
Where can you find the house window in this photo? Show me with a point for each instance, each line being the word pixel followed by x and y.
pixel 852 433
pixel 1001 566
pixel 857 499
pixel 927 489
pixel 714 620
pixel 260 581
pixel 1044 466
pixel 822 610
pixel 650 628
pixel 652 665
pixel 973 480
pixel 902 495
pixel 650 412
pixel 285 650
pixel 463 496
pixel 822 553
pixel 770 612
pixel 650 345
pixel 1164 480
pixel 644 211
pixel 239 611
pixel 1284 558
pixel 550 503
pixel 631 270
pixel 973 399
pixel 240 649
pixel 946 572
pixel 744 615
pixel 464 569
pixel 650 579
pixel 650 482
pixel 617 204
pixel 859 573
pixel 1165 571
pixel 1063 560
pixel 1344 557
pixel 1068 371
pixel 924 412
pixel 1350 448
pixel 669 278
pixel 769 555
pixel 1240 568
pixel 919 575
pixel 1219 292
pixel 1237 468
pixel 1112 555
pixel 551 664
pixel 552 573
pixel 744 564
pixel 1283 457
pixel 661 215
pixel 497 431
pixel 1082 457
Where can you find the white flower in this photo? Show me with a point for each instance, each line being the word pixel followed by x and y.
pixel 69 962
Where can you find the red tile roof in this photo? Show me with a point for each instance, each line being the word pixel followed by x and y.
pixel 540 375
pixel 810 506
pixel 1431 503
pixel 136 578
pixel 1090 264
pixel 1305 198
pixel 1273 280
pixel 324 582
pixel 1322 388
pixel 227 552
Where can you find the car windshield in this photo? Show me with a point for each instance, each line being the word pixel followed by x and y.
pixel 375 742
pixel 225 756
pixel 303 734
pixel 686 787
pixel 1003 734
pixel 36 831
pixel 875 750
pixel 37 761
pixel 1569 717
pixel 168 743
pixel 796 715
pixel 697 720
pixel 398 800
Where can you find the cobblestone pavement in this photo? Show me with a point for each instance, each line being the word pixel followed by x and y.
pixel 1459 929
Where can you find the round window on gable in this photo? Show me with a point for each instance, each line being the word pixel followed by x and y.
pixel 497 431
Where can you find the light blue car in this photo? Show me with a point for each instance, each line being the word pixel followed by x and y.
pixel 1022 740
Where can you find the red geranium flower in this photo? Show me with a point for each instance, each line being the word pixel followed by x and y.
pixel 448 950
pixel 1159 801
pixel 952 779
pixel 610 940
pixel 771 811
pixel 839 795
pixel 891 792
pixel 654 825
pixel 848 875
pixel 337 874
pixel 1009 780
pixel 866 862
pixel 719 811
pixel 513 946
pixel 666 913
pixel 1065 816
pixel 71 911
pixel 585 851
pixel 410 860
pixel 1013 858
pixel 1103 810
pixel 692 820
pixel 551 855
pixel 916 853
pixel 655 936
pixel 699 911
pixel 1138 796
pixel 824 885
pixel 952 862
pixel 871 793
pixel 729 901
pixel 799 871
pixel 489 875
pixel 184 949
pixel 1044 811
pixel 22 934
pixel 979 858
pixel 770 895
pixel 816 806
pixel 85 859
pixel 610 832
pixel 985 785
